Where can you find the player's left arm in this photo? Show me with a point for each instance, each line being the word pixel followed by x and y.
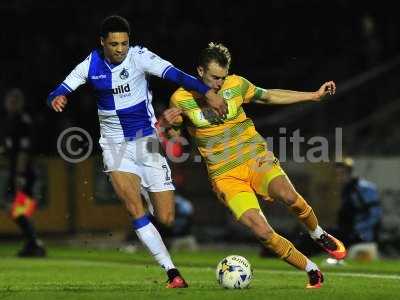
pixel 57 99
pixel 278 96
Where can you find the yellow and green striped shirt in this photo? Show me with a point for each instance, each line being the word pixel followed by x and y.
pixel 227 144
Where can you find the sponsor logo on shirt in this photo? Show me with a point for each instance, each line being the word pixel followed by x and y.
pixel 227 94
pixel 98 77
pixel 124 74
pixel 123 88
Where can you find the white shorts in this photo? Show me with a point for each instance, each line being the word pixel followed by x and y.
pixel 142 157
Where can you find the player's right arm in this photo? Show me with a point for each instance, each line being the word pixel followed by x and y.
pixel 57 99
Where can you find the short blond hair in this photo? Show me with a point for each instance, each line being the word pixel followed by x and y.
pixel 215 52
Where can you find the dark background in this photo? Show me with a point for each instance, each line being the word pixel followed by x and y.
pixel 275 44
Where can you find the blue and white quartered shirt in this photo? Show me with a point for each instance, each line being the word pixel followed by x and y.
pixel 123 98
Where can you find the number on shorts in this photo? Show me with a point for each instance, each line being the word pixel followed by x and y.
pixel 167 175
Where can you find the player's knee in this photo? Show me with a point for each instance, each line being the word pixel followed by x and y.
pixel 261 230
pixel 287 196
pixel 264 234
pixel 167 219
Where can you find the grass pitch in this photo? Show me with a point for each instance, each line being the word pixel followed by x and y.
pixel 83 273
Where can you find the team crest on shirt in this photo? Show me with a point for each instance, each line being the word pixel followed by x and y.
pixel 227 94
pixel 124 74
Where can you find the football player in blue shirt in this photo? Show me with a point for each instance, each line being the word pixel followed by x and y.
pixel 118 73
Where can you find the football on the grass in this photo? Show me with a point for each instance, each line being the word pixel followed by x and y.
pixel 234 272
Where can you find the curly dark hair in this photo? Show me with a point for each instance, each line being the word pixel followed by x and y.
pixel 114 24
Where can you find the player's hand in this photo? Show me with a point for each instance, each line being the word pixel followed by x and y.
pixel 217 103
pixel 168 117
pixel 59 103
pixel 328 88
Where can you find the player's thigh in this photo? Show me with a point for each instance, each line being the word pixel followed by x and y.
pixel 236 194
pixel 120 157
pixel 265 174
pixel 164 206
pixel 127 187
pixel 156 174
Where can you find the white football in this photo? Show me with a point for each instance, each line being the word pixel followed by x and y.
pixel 234 272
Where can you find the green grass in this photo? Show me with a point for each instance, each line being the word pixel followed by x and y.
pixel 82 273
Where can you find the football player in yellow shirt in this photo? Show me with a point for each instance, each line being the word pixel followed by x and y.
pixel 238 161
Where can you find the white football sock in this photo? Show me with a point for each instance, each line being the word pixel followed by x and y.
pixel 311 266
pixel 151 238
pixel 316 234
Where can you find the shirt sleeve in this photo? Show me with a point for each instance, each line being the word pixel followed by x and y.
pixel 173 102
pixel 151 63
pixel 76 78
pixel 185 80
pixel 248 90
